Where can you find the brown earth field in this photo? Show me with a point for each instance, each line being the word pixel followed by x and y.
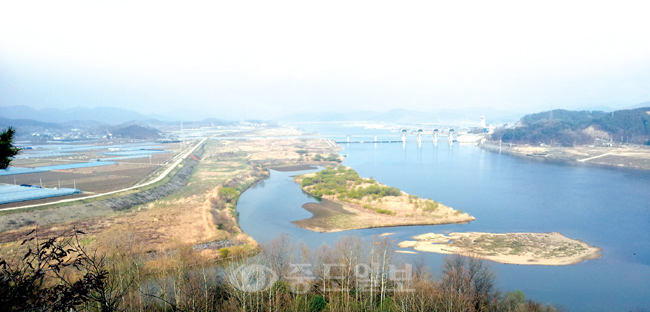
pixel 619 156
pixel 108 178
pixel 90 180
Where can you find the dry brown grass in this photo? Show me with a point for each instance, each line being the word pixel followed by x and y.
pixel 187 217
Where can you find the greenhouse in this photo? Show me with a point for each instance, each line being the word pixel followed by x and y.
pixel 135 152
pixel 15 193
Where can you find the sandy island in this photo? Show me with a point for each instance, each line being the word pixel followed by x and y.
pixel 336 213
pixel 510 248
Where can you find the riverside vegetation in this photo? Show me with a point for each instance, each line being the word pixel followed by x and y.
pixel 352 202
pixel 60 274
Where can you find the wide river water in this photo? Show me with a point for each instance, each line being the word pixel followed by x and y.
pixel 605 207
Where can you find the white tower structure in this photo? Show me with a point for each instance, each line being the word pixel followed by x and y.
pixel 483 122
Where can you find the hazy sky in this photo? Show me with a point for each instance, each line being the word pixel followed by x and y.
pixel 267 58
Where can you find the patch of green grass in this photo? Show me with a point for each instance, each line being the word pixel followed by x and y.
pixel 380 210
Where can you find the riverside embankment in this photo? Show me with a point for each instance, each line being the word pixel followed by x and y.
pixel 620 156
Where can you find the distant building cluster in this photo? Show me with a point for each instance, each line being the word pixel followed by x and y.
pixel 71 135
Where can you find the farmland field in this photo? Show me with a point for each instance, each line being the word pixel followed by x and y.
pixel 90 180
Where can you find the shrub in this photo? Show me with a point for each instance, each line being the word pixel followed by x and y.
pixel 224 252
pixel 229 194
pixel 333 157
pixel 430 205
pixel 385 211
pixel 380 210
pixel 307 182
pixel 56 274
pixel 317 303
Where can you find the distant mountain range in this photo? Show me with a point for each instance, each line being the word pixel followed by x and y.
pixel 94 121
pixel 640 105
pixel 80 116
pixel 105 115
pixel 449 116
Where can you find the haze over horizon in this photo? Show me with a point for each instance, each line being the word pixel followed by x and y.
pixel 265 60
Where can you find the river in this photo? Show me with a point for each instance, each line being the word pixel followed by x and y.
pixel 605 207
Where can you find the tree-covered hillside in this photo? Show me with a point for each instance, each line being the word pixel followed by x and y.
pixel 632 123
pixel 575 118
pixel 137 132
pixel 567 128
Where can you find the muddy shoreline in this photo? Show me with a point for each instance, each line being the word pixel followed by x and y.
pixel 290 168
pixel 321 213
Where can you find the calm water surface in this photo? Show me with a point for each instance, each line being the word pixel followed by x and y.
pixel 604 207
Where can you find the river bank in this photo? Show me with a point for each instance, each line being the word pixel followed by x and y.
pixel 623 156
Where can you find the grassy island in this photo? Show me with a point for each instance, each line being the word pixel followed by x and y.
pixel 510 248
pixel 351 202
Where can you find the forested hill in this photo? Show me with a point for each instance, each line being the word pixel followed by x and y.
pixel 631 122
pixel 577 118
pixel 569 128
pixel 137 132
